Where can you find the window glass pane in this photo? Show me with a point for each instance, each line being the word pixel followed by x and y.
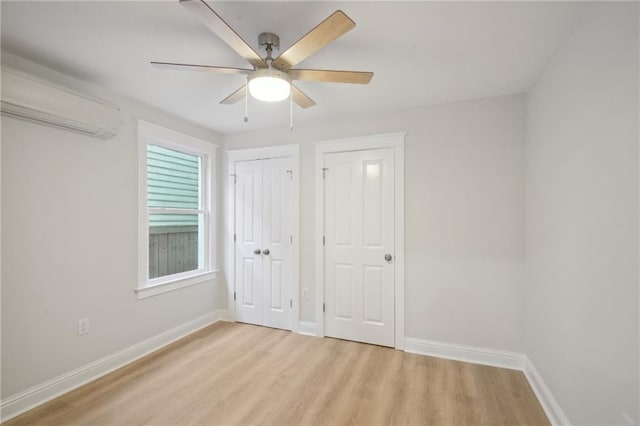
pixel 175 243
pixel 173 178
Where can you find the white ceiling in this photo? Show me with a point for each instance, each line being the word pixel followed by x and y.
pixel 422 53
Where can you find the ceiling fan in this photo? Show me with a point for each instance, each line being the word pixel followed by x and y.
pixel 271 79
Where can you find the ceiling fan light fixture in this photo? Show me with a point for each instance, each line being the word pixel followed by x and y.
pixel 269 85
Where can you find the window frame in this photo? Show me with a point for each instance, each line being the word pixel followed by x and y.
pixel 152 134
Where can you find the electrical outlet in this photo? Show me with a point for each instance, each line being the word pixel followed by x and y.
pixel 83 326
pixel 305 294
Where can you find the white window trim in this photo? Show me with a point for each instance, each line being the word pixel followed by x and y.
pixel 149 133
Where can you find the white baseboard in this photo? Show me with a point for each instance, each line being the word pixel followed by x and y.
pixel 494 358
pixel 308 328
pixel 549 404
pixel 37 395
pixel 220 315
pixel 472 354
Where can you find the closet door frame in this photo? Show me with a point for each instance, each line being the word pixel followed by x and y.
pixel 280 151
pixel 396 142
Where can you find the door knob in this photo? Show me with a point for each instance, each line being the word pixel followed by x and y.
pixel 256 251
pixel 388 257
pixel 266 252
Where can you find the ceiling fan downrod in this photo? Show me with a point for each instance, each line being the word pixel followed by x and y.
pixel 269 40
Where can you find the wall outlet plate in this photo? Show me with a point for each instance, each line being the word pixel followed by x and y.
pixel 305 294
pixel 83 326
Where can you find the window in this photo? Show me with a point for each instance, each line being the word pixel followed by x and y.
pixel 176 223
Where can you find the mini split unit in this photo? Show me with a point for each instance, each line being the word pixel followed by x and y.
pixel 40 102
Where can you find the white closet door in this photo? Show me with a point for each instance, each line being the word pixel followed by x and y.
pixel 263 227
pixel 359 233
pixel 276 241
pixel 248 224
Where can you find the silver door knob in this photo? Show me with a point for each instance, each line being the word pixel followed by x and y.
pixel 266 252
pixel 256 251
pixel 388 257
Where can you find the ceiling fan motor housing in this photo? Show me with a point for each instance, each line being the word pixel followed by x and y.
pixel 269 39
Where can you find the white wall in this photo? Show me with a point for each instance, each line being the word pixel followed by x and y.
pixel 69 245
pixel 581 327
pixel 464 215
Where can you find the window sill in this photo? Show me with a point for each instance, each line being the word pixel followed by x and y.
pixel 165 285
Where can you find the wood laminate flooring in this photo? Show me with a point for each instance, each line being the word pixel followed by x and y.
pixel 231 373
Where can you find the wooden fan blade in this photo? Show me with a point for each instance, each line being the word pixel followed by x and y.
pixel 220 28
pixel 354 77
pixel 203 68
pixel 301 98
pixel 328 30
pixel 235 96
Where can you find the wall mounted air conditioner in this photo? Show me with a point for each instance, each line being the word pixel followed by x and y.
pixel 27 98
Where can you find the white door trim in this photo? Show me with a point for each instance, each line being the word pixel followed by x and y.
pixel 279 151
pixel 390 140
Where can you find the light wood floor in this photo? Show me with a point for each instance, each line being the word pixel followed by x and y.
pixel 241 374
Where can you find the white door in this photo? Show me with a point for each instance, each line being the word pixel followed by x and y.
pixel 276 242
pixel 263 241
pixel 248 230
pixel 359 238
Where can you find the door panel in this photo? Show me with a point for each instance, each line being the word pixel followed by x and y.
pixel 372 204
pixel 341 196
pixel 248 230
pixel 276 237
pixel 343 292
pixel 359 286
pixel 248 283
pixel 277 296
pixel 373 284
